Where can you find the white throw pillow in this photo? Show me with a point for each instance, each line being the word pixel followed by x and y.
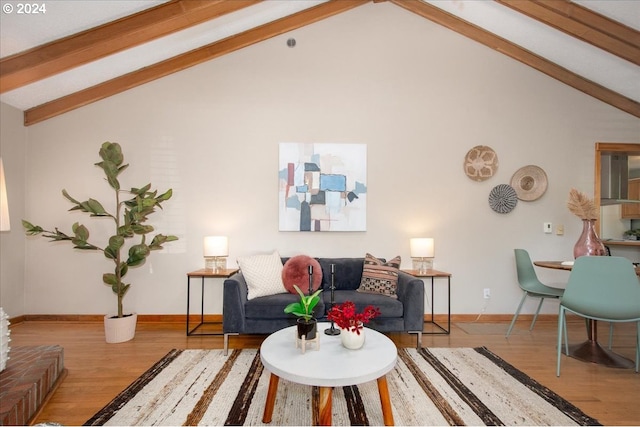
pixel 263 274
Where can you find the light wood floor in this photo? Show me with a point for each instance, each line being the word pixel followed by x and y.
pixel 99 371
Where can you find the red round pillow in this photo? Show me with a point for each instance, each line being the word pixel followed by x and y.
pixel 296 272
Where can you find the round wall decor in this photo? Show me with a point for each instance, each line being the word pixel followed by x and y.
pixel 503 198
pixel 480 163
pixel 530 182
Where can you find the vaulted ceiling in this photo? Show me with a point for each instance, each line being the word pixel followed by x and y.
pixel 62 55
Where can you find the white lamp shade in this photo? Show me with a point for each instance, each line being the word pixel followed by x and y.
pixel 422 247
pixel 5 224
pixel 216 246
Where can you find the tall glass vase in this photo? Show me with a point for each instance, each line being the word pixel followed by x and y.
pixel 588 244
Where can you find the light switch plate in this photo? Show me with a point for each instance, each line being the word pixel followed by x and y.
pixel 548 227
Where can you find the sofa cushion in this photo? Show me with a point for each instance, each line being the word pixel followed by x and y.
pixel 389 307
pixel 380 277
pixel 263 274
pixel 272 307
pixel 296 272
pixel 348 273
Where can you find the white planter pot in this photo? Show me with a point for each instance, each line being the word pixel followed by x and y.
pixel 352 340
pixel 120 329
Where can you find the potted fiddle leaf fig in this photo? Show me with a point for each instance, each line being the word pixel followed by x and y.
pixel 307 324
pixel 131 211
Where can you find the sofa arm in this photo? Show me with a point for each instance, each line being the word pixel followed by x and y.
pixel 411 294
pixel 234 298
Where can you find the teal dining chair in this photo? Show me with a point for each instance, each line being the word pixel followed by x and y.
pixel 532 287
pixel 601 288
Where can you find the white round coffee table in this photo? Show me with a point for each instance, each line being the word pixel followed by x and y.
pixel 330 366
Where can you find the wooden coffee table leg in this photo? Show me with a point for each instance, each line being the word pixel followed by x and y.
pixel 271 398
pixel 325 406
pixel 383 390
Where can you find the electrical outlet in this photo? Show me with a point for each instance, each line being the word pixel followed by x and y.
pixel 547 226
pixel 560 230
pixel 487 293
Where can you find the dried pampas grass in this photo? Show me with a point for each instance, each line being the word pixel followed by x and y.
pixel 581 205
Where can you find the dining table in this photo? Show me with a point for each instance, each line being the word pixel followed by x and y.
pixel 590 350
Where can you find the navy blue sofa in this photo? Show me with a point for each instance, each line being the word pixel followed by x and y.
pixel 265 315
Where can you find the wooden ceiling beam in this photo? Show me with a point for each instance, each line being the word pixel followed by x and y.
pixel 189 59
pixel 584 25
pixel 520 54
pixel 594 20
pixel 78 49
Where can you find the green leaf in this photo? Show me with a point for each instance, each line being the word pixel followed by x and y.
pixel 115 243
pixel 96 208
pixel 142 229
pixel 159 240
pixel 56 236
pixel 110 279
pixel 124 268
pixel 111 151
pixel 146 203
pixel 293 308
pixel 30 229
pixel 165 196
pixel 299 292
pixel 137 254
pixel 141 191
pixel 81 232
pixel 112 157
pixel 111 172
pixel 120 290
pixel 71 199
pixel 125 231
pixel 110 253
pixel 312 303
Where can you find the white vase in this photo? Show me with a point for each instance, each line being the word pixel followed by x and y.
pixel 120 329
pixel 352 340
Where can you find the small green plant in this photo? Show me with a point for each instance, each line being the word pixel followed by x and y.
pixel 635 232
pixel 129 221
pixel 303 308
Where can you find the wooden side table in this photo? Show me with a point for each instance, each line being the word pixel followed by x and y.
pixel 204 274
pixel 433 274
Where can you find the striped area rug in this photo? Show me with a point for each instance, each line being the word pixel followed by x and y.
pixel 436 386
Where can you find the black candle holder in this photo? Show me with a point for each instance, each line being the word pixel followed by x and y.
pixel 332 330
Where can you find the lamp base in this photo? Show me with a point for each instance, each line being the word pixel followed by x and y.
pixel 216 264
pixel 422 264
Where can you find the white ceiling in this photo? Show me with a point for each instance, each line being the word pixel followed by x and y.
pixel 19 32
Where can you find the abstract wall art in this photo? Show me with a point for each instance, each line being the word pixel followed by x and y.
pixel 322 187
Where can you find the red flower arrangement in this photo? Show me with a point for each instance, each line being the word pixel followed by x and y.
pixel 344 315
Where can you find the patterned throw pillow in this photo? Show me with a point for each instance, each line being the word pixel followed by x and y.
pixel 263 274
pixel 380 277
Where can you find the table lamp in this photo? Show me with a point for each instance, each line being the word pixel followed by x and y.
pixel 216 251
pixel 422 252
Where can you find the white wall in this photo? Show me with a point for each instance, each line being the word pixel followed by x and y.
pixel 419 95
pixel 13 137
